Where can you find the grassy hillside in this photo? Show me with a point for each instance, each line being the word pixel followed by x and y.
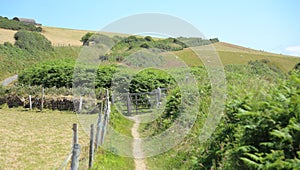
pixel 233 54
pixel 11 62
pixel 14 59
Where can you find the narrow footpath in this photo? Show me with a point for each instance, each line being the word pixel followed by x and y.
pixel 9 80
pixel 137 148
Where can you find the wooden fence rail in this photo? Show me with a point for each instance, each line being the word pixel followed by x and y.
pixel 140 103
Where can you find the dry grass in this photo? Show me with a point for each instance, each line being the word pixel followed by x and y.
pixel 61 36
pixel 7 36
pixel 35 140
pixel 58 36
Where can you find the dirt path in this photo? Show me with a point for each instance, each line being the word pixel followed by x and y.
pixel 137 149
pixel 9 80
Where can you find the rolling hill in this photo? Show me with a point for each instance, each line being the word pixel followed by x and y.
pixel 229 53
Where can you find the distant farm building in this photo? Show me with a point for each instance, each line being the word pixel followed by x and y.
pixel 26 20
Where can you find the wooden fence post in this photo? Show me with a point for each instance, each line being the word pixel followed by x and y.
pixel 128 104
pixel 75 157
pixel 159 94
pixel 98 127
pixel 91 155
pixel 103 129
pixel 80 105
pixel 30 102
pixel 75 133
pixel 42 100
pixel 76 149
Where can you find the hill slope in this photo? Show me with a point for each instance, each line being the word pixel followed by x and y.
pixel 229 53
pixel 233 54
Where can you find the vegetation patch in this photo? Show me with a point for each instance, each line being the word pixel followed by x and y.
pixel 15 25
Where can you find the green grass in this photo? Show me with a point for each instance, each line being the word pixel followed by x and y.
pixel 13 60
pixel 109 160
pixel 35 140
pixel 240 56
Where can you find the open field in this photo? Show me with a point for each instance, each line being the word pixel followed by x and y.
pixel 35 140
pixel 7 36
pixel 58 36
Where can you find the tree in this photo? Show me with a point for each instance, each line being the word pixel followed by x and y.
pixel 86 37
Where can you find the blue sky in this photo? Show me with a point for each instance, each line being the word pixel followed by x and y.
pixel 270 25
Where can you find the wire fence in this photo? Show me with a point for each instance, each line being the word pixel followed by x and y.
pixel 82 156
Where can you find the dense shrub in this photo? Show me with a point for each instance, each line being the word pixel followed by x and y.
pixel 32 41
pixel 150 79
pixel 15 25
pixel 195 41
pixel 56 73
pixel 124 47
pixel 104 76
pixel 59 73
pixel 262 134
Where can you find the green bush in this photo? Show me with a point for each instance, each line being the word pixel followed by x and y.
pixel 56 73
pixel 32 41
pixel 105 75
pixel 195 41
pixel 150 79
pixel 59 73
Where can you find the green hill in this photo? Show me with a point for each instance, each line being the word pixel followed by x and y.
pixel 67 44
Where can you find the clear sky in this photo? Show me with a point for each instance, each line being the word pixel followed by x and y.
pixel 270 25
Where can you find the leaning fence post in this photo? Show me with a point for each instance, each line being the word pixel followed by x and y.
pixel 159 94
pixel 42 100
pixel 91 155
pixel 76 149
pixel 99 127
pixel 75 133
pixel 75 157
pixel 80 105
pixel 30 103
pixel 103 129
